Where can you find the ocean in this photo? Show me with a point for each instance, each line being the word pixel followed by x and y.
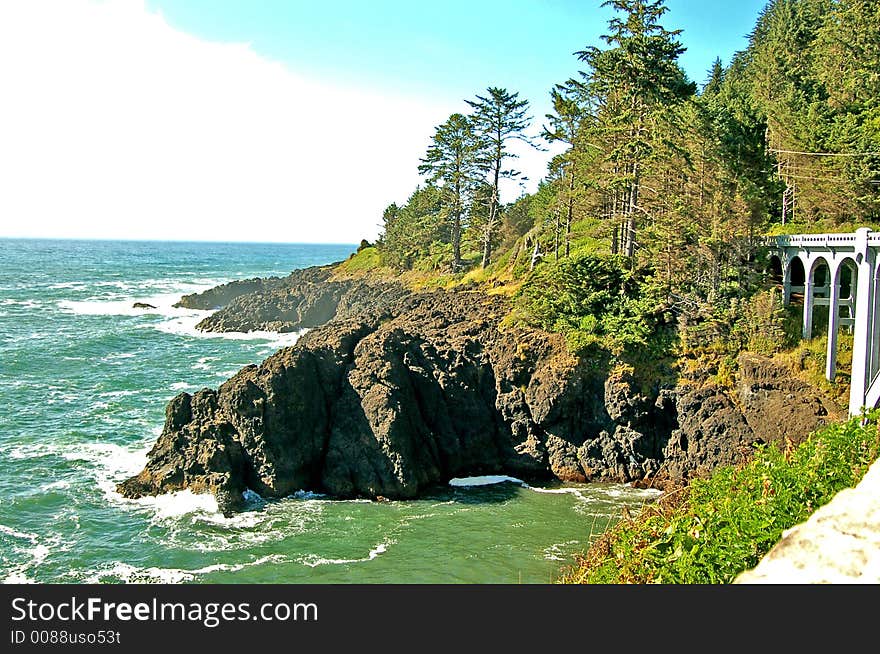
pixel 84 380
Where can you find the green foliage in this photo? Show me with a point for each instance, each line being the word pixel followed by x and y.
pixel 821 226
pixel 365 259
pixel 593 300
pixel 498 118
pixel 812 74
pixel 436 258
pixel 722 526
pixel 518 220
pixel 674 179
pixel 453 160
pixel 409 231
pixel 635 87
pixel 723 328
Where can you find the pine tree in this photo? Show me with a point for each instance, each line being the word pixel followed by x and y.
pixel 451 161
pixel 410 232
pixel 498 118
pixel 847 63
pixel 635 82
pixel 565 127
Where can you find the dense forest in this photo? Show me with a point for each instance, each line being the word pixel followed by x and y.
pixel 640 223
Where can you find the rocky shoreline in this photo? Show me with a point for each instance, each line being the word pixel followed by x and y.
pixel 393 392
pixel 306 298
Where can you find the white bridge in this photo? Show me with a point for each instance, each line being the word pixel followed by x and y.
pixel 838 271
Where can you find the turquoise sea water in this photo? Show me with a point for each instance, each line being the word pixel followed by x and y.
pixel 84 379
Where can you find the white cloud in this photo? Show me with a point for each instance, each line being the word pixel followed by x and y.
pixel 115 125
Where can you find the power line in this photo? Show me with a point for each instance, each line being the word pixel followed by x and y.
pixel 827 154
pixel 818 179
pixel 804 165
pixel 839 180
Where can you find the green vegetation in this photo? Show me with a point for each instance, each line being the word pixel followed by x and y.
pixel 364 260
pixel 667 180
pixel 719 527
pixel 636 245
pixel 595 301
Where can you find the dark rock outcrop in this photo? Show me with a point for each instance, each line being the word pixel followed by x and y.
pixel 300 305
pixel 720 427
pixel 142 305
pixel 402 391
pixel 306 298
pixel 220 296
pixel 387 403
pixel 777 405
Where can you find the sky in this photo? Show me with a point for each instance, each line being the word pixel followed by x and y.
pixel 273 120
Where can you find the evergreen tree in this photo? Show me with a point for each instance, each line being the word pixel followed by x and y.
pixel 451 161
pixel 847 63
pixel 410 231
pixel 565 127
pixel 793 103
pixel 498 117
pixel 635 82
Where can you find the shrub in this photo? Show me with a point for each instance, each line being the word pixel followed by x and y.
pixel 719 527
pixel 594 300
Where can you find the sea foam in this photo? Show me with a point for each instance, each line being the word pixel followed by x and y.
pixel 179 503
pixel 178 321
pixel 129 574
pixel 163 305
pixel 486 480
pixel 313 561
pixel 184 324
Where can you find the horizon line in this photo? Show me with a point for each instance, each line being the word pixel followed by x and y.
pixel 160 240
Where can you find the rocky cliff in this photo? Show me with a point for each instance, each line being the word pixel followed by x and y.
pixel 305 298
pixel 401 391
pixel 220 296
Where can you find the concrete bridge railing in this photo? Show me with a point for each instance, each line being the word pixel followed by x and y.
pixel 839 271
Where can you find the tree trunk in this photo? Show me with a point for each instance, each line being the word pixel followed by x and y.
pixel 493 210
pixel 456 230
pixel 631 213
pixel 624 221
pixel 487 247
pixel 556 245
pixel 570 210
pixel 614 242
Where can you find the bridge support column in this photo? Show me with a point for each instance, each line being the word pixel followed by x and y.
pixel 833 325
pixel 864 323
pixel 874 337
pixel 808 305
pixel 786 280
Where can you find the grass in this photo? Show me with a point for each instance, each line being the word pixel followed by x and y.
pixel 368 259
pixel 818 227
pixel 714 529
pixel 807 362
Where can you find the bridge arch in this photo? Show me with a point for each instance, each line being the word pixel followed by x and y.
pixel 817 288
pixel 842 285
pixel 797 270
pixel 842 272
pixel 793 276
pixel 848 278
pixel 775 269
pixel 820 267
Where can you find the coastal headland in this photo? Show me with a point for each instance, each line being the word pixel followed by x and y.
pixel 393 391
